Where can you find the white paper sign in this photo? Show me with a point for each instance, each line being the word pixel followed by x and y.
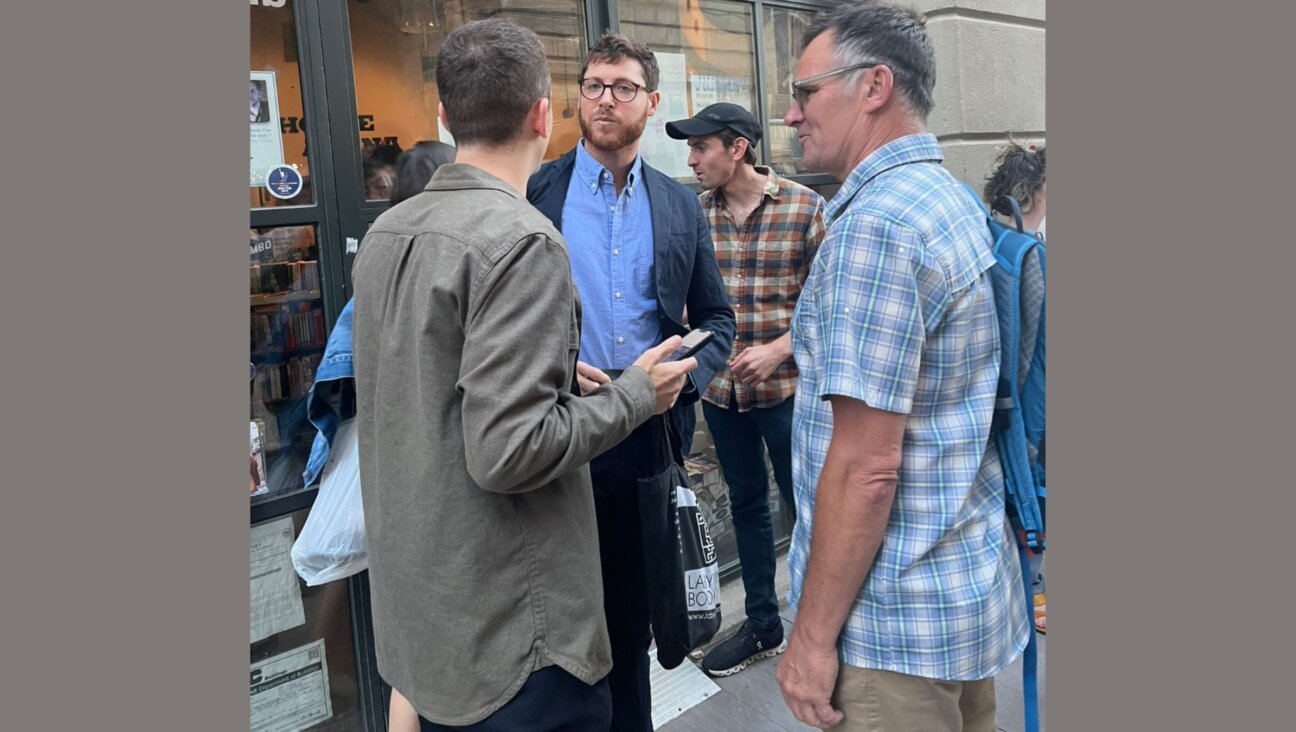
pixel 708 90
pixel 657 148
pixel 290 692
pixel 276 596
pixel 266 143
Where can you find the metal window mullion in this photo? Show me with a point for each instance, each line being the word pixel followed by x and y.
pixel 600 15
pixel 758 49
pixel 324 49
pixel 285 216
pixel 310 51
pixel 810 5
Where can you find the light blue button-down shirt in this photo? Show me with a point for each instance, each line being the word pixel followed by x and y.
pixel 610 240
pixel 898 312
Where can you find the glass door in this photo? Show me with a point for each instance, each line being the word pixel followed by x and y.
pixel 310 651
pixel 378 93
pixel 382 88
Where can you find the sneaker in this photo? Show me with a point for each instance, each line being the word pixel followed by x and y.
pixel 743 648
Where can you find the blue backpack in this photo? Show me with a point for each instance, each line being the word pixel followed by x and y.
pixel 1018 426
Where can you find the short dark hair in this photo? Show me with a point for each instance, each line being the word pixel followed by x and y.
pixel 1018 174
pixel 612 47
pixel 415 166
pixel 872 32
pixel 489 74
pixel 386 154
pixel 729 137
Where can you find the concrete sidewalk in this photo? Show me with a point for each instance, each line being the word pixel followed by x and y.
pixel 751 700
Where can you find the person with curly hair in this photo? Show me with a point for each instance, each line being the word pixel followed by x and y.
pixel 1019 174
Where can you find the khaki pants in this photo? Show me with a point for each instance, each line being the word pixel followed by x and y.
pixel 885 701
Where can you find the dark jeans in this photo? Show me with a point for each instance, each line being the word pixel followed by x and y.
pixel 550 700
pixel 738 437
pixel 625 589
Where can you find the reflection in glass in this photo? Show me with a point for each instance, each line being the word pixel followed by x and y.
pixel 394 45
pixel 782 29
pixel 327 613
pixel 278 121
pixel 712 41
pixel 288 336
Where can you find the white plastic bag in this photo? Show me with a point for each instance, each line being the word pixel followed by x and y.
pixel 332 542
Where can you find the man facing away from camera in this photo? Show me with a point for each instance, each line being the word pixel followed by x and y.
pixel 766 230
pixel 641 255
pixel 905 577
pixel 473 446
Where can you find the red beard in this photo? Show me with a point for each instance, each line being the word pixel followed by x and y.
pixel 617 138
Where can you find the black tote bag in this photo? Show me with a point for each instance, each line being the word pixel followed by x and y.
pixel 683 575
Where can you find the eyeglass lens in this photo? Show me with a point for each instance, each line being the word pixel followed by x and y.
pixel 622 91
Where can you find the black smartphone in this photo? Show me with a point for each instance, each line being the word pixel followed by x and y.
pixel 693 342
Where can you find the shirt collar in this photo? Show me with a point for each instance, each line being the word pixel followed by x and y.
pixel 900 151
pixel 591 172
pixel 461 176
pixel 773 184
pixel 773 188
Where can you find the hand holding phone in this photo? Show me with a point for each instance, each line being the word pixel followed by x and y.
pixel 693 342
pixel 668 376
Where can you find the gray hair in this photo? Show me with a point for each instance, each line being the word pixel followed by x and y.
pixel 489 74
pixel 872 32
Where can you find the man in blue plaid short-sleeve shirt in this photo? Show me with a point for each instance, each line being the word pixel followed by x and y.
pixel 904 574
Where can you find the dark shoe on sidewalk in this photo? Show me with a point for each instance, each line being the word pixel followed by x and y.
pixel 743 648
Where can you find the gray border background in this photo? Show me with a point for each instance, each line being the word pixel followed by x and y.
pixel 1170 391
pixel 124 525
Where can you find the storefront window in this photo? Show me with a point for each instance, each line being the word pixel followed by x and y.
pixel 706 55
pixel 303 664
pixel 707 481
pixel 287 342
pixel 782 30
pixel 279 170
pixel 394 48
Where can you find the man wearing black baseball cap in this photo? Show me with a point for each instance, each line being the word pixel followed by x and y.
pixel 766 230
pixel 714 118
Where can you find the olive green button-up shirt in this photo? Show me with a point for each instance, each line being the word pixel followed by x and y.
pixel 479 516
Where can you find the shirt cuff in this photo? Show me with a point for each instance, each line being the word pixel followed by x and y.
pixel 639 387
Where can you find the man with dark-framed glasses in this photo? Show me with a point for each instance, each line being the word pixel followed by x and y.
pixel 904 575
pixel 641 256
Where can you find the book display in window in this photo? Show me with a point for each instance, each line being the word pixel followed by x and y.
pixel 257 458
pixel 287 337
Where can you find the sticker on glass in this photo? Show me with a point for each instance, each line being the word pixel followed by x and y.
pixel 283 182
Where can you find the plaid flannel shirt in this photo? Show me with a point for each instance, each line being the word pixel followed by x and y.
pixel 899 313
pixel 764 263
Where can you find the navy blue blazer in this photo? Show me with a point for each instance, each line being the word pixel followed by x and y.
pixel 685 271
